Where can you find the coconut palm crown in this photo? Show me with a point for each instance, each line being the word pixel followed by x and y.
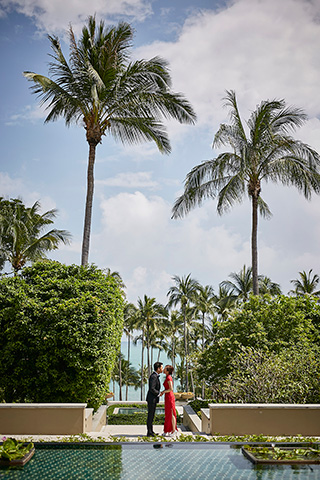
pixel 264 151
pixel 100 88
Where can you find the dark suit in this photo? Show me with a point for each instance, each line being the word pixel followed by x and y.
pixel 152 399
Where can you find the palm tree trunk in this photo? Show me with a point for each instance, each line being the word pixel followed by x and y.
pixel 148 352
pixel 127 385
pixel 185 349
pixel 202 390
pixel 187 361
pixel 120 378
pixel 142 365
pixel 254 245
pixel 89 201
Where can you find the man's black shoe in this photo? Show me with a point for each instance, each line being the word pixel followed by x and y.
pixel 152 434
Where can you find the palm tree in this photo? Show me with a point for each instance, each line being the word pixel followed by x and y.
pixel 266 285
pixel 205 304
pixel 124 371
pixel 117 277
pixel 241 285
pixel 306 285
pixel 182 293
pixel 174 324
pixel 141 337
pixel 267 153
pixel 150 314
pixel 225 302
pixel 22 236
pixel 129 323
pixel 102 90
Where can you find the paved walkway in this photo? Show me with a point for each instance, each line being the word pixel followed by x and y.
pixel 109 433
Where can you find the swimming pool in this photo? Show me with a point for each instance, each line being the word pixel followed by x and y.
pixel 154 461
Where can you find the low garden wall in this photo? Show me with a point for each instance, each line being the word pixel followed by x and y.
pixel 191 420
pixel 44 418
pixel 267 419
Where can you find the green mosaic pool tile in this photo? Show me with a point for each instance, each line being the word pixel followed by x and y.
pixel 165 461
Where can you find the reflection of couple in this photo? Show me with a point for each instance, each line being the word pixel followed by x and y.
pixel 153 396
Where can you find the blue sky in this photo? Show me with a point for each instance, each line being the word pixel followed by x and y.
pixel 262 49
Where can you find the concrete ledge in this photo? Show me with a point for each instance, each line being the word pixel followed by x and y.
pixel 191 419
pixel 205 420
pixel 267 419
pixel 99 419
pixel 88 419
pixel 43 418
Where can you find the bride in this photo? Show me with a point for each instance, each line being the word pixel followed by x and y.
pixel 170 419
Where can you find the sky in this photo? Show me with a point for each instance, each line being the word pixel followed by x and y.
pixel 262 49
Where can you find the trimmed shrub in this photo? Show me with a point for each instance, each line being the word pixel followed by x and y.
pixel 60 331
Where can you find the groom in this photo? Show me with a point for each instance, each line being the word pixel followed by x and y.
pixel 153 396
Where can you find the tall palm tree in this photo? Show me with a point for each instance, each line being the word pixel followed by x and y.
pixel 175 324
pixel 182 293
pixel 307 284
pixel 225 302
pixel 141 337
pixel 267 153
pixel 22 233
pixel 205 304
pixel 241 286
pixel 150 314
pixel 129 324
pixel 107 94
pixel 266 285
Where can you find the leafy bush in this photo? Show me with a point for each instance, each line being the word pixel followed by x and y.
pixel 265 324
pixel 291 376
pixel 197 404
pixel 60 331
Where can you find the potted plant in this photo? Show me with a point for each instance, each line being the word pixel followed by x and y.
pixel 13 452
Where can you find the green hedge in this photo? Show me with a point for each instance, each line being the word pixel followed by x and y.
pixel 134 418
pixel 196 405
pixel 60 331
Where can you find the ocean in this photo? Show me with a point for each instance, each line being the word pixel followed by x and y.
pixel 135 360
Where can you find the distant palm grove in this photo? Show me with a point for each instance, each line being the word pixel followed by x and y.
pixel 228 342
pixel 243 340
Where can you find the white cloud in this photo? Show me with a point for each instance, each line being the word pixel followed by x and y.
pixel 140 241
pixel 17 188
pixel 260 49
pixel 29 113
pixel 55 16
pixel 130 180
pixel 150 247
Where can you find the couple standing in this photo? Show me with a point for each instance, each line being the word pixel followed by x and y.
pixel 153 396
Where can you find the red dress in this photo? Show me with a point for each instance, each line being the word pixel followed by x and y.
pixel 170 419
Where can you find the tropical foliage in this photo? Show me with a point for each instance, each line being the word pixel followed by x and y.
pixel 260 376
pixel 23 235
pixel 264 324
pixel 183 292
pixel 100 88
pixel 60 331
pixel 264 151
pixel 307 284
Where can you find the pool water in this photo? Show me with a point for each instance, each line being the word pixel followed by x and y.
pixel 165 461
pixel 132 410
